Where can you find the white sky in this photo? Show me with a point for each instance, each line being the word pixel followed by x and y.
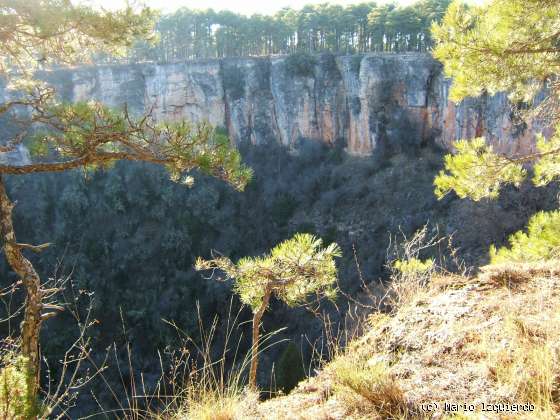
pixel 247 7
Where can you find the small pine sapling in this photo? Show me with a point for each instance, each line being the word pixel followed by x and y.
pixel 293 271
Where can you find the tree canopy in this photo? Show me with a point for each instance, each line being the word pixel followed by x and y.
pixel 356 28
pixel 293 270
pixel 36 33
pixel 505 45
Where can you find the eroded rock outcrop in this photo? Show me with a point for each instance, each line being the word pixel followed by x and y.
pixel 365 103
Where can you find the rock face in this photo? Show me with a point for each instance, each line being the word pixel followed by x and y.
pixel 365 103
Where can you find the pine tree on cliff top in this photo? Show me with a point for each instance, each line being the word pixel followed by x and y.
pixel 513 46
pixel 61 136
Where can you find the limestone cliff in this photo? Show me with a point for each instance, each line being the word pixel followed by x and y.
pixel 365 103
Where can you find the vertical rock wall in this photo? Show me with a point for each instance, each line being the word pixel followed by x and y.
pixel 366 103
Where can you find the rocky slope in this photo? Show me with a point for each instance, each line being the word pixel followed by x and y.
pixel 365 103
pixel 482 348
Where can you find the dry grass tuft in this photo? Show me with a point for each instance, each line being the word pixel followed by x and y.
pixel 203 386
pixel 369 388
pixel 511 275
pixel 410 274
pixel 529 366
pixel 212 404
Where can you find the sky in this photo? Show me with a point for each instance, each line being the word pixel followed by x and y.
pixel 247 7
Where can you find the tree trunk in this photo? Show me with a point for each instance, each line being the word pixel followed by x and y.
pixel 257 316
pixel 31 324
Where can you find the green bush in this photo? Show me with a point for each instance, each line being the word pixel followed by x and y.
pixel 301 64
pixel 330 235
pixel 290 368
pixel 414 266
pixel 306 227
pixel 541 242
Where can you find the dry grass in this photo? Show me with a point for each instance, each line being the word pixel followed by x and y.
pixel 207 382
pixel 410 274
pixel 511 275
pixel 208 389
pixel 211 404
pixel 209 394
pixel 368 388
pixel 528 367
pixel 523 357
pixel 362 379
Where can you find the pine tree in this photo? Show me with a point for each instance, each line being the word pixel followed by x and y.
pixel 512 46
pixel 506 45
pixel 39 33
pixel 293 271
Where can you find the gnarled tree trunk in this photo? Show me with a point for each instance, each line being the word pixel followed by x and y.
pixel 28 276
pixel 257 317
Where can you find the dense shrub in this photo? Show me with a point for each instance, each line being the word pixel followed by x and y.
pixel 356 63
pixel 330 71
pixel 301 64
pixel 283 208
pixel 289 371
pixel 330 234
